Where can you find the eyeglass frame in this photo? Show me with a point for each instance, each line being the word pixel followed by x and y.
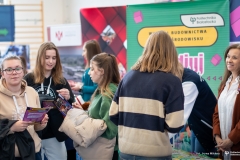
pixel 12 70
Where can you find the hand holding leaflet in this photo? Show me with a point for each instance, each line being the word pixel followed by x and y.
pixel 63 105
pixel 35 115
pixel 84 105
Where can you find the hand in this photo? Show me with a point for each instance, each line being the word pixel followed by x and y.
pixel 65 93
pixel 20 126
pixel 44 120
pixel 77 105
pixel 219 141
pixel 77 86
pixel 226 144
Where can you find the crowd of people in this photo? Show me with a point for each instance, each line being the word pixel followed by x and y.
pixel 141 111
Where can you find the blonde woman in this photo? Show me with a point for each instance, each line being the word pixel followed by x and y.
pixel 149 102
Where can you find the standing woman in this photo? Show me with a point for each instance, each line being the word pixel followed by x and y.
pixel 226 119
pixel 47 79
pixel 15 96
pixel 87 87
pixel 149 102
pixel 104 72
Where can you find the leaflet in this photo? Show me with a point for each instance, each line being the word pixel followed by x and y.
pixel 35 115
pixel 61 104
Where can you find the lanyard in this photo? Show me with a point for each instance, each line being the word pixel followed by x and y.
pixel 48 86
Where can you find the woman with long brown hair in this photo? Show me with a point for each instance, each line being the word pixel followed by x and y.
pixel 226 119
pixel 47 79
pixel 87 86
pixel 104 72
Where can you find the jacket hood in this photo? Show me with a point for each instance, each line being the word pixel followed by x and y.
pixel 5 91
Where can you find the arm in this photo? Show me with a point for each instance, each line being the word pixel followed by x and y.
pixel 216 123
pixel 173 105
pixel 89 89
pixel 111 130
pixel 190 95
pixel 114 108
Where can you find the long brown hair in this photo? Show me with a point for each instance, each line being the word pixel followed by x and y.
pixel 159 54
pixel 93 48
pixel 227 73
pixel 39 70
pixel 108 63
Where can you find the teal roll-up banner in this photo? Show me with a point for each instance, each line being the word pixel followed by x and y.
pixel 199 29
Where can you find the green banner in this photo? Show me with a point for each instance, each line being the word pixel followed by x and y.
pixel 199 29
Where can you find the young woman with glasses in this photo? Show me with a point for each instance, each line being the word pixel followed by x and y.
pixel 15 97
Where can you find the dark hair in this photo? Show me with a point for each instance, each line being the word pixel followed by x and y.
pixel 93 48
pixel 108 63
pixel 227 73
pixel 24 62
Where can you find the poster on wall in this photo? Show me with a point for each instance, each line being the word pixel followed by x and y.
pixel 17 50
pixel 108 26
pixel 200 31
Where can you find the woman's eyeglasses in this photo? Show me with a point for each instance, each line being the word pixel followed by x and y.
pixel 10 70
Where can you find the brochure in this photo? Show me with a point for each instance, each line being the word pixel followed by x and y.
pixel 48 103
pixel 63 105
pixel 35 115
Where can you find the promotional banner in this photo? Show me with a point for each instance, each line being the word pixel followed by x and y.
pixel 65 35
pixel 199 30
pixel 108 26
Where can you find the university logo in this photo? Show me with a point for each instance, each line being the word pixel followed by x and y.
pixel 59 35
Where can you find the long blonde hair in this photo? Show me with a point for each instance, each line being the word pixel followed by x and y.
pixel 56 73
pixel 159 54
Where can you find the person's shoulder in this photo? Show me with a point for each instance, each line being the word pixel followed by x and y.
pixel 190 75
pixel 29 76
pixel 113 87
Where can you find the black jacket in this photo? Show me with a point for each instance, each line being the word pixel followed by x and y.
pixel 23 140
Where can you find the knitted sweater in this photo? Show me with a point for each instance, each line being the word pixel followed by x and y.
pixel 145 107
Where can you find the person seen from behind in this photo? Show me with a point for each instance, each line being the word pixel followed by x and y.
pixel 149 102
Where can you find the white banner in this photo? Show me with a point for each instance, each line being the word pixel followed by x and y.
pixel 65 35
